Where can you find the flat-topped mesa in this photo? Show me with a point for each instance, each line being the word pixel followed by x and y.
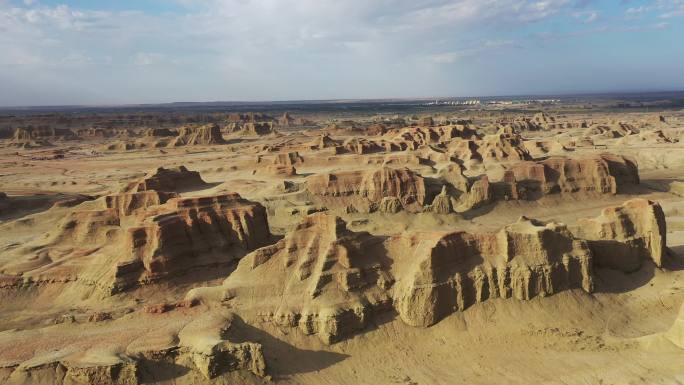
pixel 288 159
pixel 503 147
pixel 167 180
pixel 100 221
pixel 157 133
pixel 451 271
pixel 323 141
pixel 521 125
pixel 208 134
pixel 42 133
pixel 364 190
pixel 286 120
pixel 131 239
pixel 283 164
pixel 413 137
pixel 87 228
pixel 359 146
pixel 466 193
pixel 191 232
pixel 126 204
pixel 321 278
pixel 251 128
pixel 604 174
pixel 611 130
pixel 500 147
pixel 622 237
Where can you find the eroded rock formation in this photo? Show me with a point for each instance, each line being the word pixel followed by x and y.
pixel 323 279
pixel 363 190
pixel 450 272
pixel 130 239
pixel 623 237
pixel 167 180
pixel 604 174
pixel 198 135
pixel 191 232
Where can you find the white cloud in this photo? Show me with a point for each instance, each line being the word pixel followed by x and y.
pixel 241 49
pixel 446 57
pixel 586 17
pixel 148 58
pixel 636 10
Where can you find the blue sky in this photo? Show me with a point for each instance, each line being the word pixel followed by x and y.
pixel 115 52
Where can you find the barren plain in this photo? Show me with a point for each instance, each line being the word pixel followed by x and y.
pixel 542 245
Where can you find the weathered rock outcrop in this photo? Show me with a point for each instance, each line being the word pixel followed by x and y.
pixel 130 350
pixel 623 237
pixel 453 175
pixel 167 180
pixel 413 137
pixel 66 367
pixel 363 190
pixel 212 353
pixel 129 203
pixel 322 278
pixel 450 272
pixel 611 130
pixel 501 147
pixel 158 133
pixel 390 205
pixel 130 239
pixel 442 203
pixel 478 194
pixel 604 174
pixel 191 232
pixel 198 135
pixel 323 141
pixel 251 128
pixel 289 159
pixel 283 164
pixel 42 133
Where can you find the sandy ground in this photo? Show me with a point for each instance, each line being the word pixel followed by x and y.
pixel 568 338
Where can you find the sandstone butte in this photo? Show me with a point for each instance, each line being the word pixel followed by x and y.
pixel 328 281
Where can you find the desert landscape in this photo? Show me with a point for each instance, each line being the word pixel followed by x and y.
pixel 521 241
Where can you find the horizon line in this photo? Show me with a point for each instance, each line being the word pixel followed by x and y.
pixel 341 100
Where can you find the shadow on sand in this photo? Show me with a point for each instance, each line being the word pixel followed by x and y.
pixel 282 358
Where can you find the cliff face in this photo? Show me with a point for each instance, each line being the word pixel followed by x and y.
pixel 134 238
pixel 366 189
pixel 322 278
pixel 500 147
pixel 327 280
pixel 413 137
pixel 130 203
pixel 203 135
pixel 453 271
pixel 190 232
pixel 604 174
pixel 623 237
pixel 120 351
pixel 167 180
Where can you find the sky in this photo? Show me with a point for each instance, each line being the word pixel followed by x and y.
pixel 91 52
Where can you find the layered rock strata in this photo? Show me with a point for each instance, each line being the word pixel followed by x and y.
pixel 450 272
pixel 623 237
pixel 364 190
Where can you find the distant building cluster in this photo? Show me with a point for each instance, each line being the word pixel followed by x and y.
pixel 472 102
pixel 477 102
